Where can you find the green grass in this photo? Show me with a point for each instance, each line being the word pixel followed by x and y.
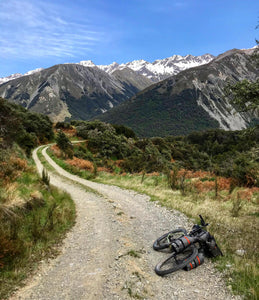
pixel 43 160
pixel 31 229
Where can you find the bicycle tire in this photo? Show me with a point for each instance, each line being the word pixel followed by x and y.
pixel 176 261
pixel 164 242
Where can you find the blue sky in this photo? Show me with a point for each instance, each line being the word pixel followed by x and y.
pixel 41 33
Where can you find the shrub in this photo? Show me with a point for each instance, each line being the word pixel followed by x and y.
pixel 64 144
pixel 123 130
pixel 81 164
pixel 83 153
pixel 23 127
pixel 45 177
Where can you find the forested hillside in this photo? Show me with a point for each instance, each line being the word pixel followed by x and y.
pixel 25 128
pixel 226 153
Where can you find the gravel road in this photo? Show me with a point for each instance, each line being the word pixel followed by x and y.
pixel 96 260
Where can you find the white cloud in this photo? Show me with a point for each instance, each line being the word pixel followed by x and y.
pixel 38 29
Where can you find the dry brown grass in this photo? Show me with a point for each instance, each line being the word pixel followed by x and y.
pixel 56 151
pixel 81 164
pixel 18 163
pixel 70 132
pixel 10 196
pixel 11 168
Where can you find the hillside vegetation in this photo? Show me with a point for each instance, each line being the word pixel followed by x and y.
pixel 225 153
pixel 213 173
pixel 33 215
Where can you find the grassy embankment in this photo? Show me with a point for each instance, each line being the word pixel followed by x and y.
pixel 34 217
pixel 232 213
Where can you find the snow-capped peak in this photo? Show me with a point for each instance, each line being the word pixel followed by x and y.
pixel 17 75
pixel 161 68
pixel 87 63
pixel 33 71
pixel 110 68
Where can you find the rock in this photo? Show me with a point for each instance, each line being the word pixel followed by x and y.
pixel 240 252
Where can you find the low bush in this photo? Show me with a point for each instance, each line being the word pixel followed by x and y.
pixel 81 164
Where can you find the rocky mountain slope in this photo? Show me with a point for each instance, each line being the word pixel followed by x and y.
pixel 192 100
pixel 73 90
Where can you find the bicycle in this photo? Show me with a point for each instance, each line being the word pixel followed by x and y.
pixel 188 250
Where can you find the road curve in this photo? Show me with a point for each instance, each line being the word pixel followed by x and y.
pixel 108 254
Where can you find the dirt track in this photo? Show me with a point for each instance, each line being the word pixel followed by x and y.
pixel 108 254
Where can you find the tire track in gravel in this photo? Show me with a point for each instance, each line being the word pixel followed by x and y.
pixel 108 254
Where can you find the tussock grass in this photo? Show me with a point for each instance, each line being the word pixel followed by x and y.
pixel 33 220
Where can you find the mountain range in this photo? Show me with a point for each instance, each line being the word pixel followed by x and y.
pixel 84 90
pixel 73 91
pixel 190 97
pixel 193 100
pixel 156 71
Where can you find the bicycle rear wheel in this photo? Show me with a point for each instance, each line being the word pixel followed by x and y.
pixel 176 261
pixel 166 239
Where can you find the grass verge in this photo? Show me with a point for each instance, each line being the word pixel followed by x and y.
pixel 34 218
pixel 66 167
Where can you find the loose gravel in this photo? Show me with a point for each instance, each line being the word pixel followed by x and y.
pixel 108 254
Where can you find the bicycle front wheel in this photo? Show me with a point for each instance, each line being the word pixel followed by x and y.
pixel 166 239
pixel 176 261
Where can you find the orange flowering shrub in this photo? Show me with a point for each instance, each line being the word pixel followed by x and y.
pixel 251 178
pixel 247 193
pixel 209 185
pixel 204 186
pixel 152 174
pixel 224 183
pixel 102 169
pixel 18 163
pixel 70 132
pixel 11 168
pixel 56 151
pixel 81 163
pixel 119 162
pixel 193 174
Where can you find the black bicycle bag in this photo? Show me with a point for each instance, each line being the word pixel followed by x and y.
pixel 199 259
pixel 211 248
